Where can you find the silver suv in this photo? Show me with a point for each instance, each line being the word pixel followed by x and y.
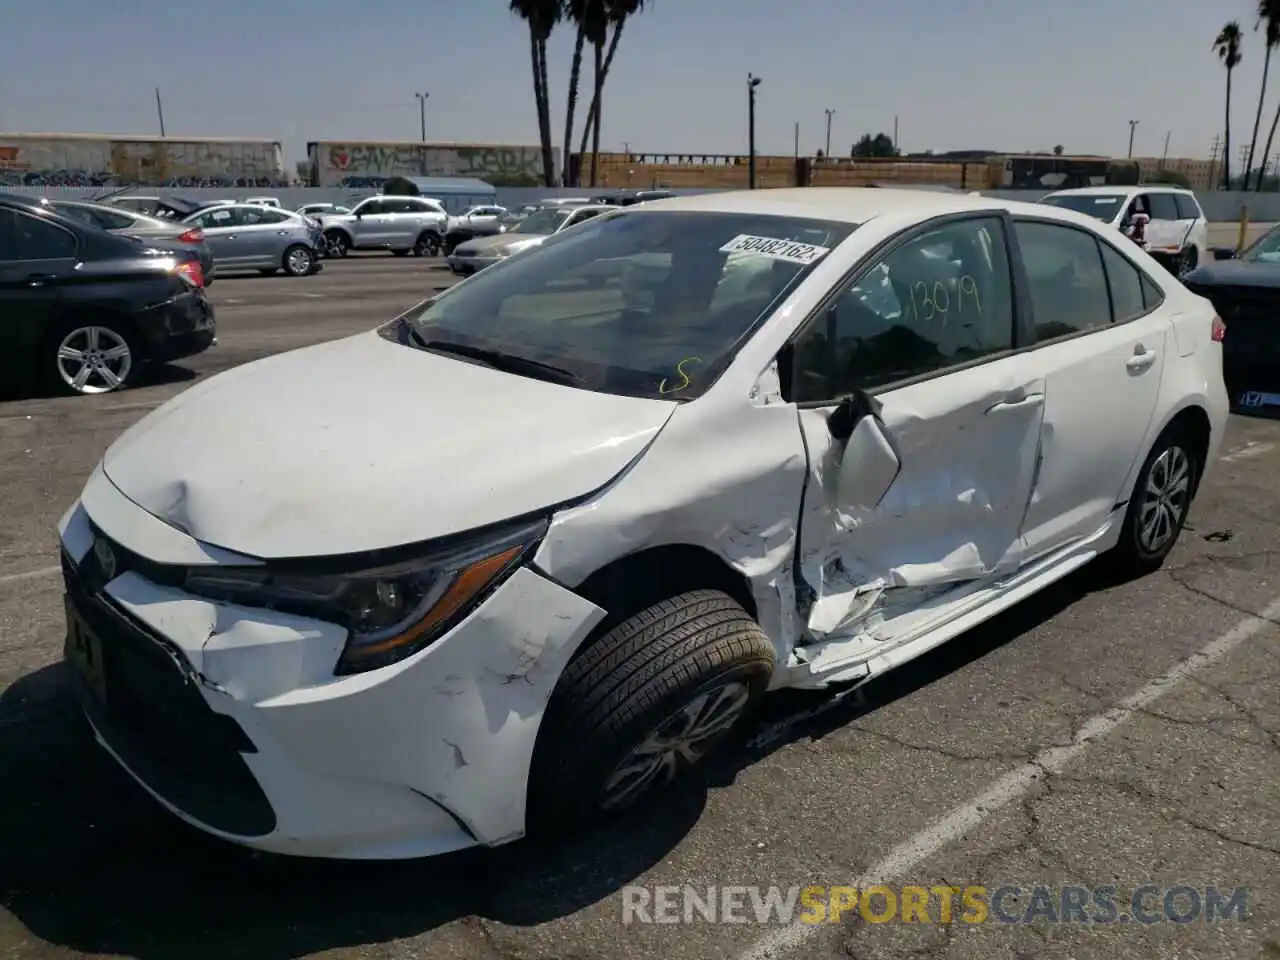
pixel 402 225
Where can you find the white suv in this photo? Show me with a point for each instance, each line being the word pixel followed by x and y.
pixel 1177 233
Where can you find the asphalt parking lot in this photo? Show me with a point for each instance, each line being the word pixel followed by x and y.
pixel 1070 741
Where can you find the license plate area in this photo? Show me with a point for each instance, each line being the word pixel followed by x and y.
pixel 1255 399
pixel 83 651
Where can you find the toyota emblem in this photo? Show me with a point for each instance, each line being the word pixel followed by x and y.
pixel 106 558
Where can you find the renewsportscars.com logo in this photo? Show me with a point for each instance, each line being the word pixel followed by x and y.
pixel 1009 903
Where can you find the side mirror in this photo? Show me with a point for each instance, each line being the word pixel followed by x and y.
pixel 1223 253
pixel 870 463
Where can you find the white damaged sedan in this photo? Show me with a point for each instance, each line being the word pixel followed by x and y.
pixel 511 562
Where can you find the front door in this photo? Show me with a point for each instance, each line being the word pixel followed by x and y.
pixel 36 258
pixel 369 228
pixel 927 334
pixel 221 227
pixel 1101 350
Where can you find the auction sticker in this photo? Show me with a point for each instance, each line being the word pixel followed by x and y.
pixel 788 250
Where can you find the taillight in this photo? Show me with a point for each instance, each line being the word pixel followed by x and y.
pixel 194 235
pixel 1219 330
pixel 191 272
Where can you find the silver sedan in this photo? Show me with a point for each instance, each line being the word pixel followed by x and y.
pixel 249 237
pixel 532 230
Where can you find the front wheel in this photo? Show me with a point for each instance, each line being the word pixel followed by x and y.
pixel 641 705
pixel 1159 504
pixel 93 356
pixel 336 244
pixel 427 245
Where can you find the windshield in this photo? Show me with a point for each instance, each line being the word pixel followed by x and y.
pixel 1104 207
pixel 644 304
pixel 1266 249
pixel 541 221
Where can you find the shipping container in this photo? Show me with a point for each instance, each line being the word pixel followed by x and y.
pixel 103 160
pixel 369 164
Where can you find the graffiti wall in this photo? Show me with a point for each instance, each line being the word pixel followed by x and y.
pixel 361 165
pixel 91 161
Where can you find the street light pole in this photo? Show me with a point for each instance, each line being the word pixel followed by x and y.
pixel 830 114
pixel 752 82
pixel 422 114
pixel 1133 125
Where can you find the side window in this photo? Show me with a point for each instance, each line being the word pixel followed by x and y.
pixel 272 215
pixel 942 298
pixel 1152 296
pixel 1163 206
pixel 1188 209
pixel 399 206
pixel 1067 283
pixel 24 237
pixel 249 216
pixel 370 207
pixel 1125 283
pixel 580 217
pixel 218 217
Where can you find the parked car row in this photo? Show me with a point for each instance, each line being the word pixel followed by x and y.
pixel 84 309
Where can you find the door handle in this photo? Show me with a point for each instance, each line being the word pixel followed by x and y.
pixel 40 279
pixel 1141 360
pixel 1023 403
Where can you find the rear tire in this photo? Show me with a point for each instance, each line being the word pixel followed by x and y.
pixel 109 348
pixel 298 261
pixel 643 703
pixel 1158 505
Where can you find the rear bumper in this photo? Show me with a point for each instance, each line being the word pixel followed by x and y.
pixel 181 327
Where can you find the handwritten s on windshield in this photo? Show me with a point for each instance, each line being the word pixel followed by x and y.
pixel 685 379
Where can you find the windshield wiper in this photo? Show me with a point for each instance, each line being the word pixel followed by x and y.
pixel 499 360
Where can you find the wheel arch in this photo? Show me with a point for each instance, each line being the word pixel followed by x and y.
pixel 1194 418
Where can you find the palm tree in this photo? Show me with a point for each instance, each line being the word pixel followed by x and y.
pixel 1227 46
pixel 618 13
pixel 1269 22
pixel 541 16
pixel 1272 12
pixel 592 19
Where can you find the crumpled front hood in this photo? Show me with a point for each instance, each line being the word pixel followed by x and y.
pixel 361 444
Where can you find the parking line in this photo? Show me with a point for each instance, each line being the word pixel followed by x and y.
pixel 30 574
pixel 1252 448
pixel 1018 783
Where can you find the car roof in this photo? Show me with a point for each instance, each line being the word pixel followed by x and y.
pixel 851 204
pixel 1124 191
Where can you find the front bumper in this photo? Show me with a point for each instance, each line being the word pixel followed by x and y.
pixel 232 718
pixel 471 264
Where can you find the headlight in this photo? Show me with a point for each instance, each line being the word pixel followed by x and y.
pixel 390 612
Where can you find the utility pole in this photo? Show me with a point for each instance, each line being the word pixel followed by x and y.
pixel 1215 154
pixel 1244 163
pixel 895 133
pixel 1133 125
pixel 752 82
pixel 422 114
pixel 160 111
pixel 830 114
pixel 1165 156
pixel 797 139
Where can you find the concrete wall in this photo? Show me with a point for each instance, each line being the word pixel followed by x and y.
pixel 338 164
pixel 1219 206
pixel 91 161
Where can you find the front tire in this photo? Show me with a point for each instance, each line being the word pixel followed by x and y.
pixel 645 702
pixel 427 245
pixel 92 356
pixel 336 244
pixel 1159 504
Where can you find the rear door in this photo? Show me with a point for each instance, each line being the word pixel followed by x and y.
pixel 1100 346
pixel 36 258
pixel 265 234
pixel 1192 224
pixel 403 216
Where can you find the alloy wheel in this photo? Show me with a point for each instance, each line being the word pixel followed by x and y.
pixel 94 360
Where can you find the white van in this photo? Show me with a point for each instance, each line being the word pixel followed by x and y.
pixel 1177 233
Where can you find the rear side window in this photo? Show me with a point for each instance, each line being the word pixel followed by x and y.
pixel 1188 209
pixel 1152 296
pixel 1124 280
pixel 26 237
pixel 1067 282
pixel 1163 206
pixel 271 215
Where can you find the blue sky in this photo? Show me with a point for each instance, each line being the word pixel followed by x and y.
pixel 1005 74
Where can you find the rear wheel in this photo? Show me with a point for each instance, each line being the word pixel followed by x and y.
pixel 1159 504
pixel 298 261
pixel 93 355
pixel 641 705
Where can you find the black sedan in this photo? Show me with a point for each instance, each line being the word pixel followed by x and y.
pixel 1245 289
pixel 86 310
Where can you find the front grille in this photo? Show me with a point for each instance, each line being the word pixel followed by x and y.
pixel 155 718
